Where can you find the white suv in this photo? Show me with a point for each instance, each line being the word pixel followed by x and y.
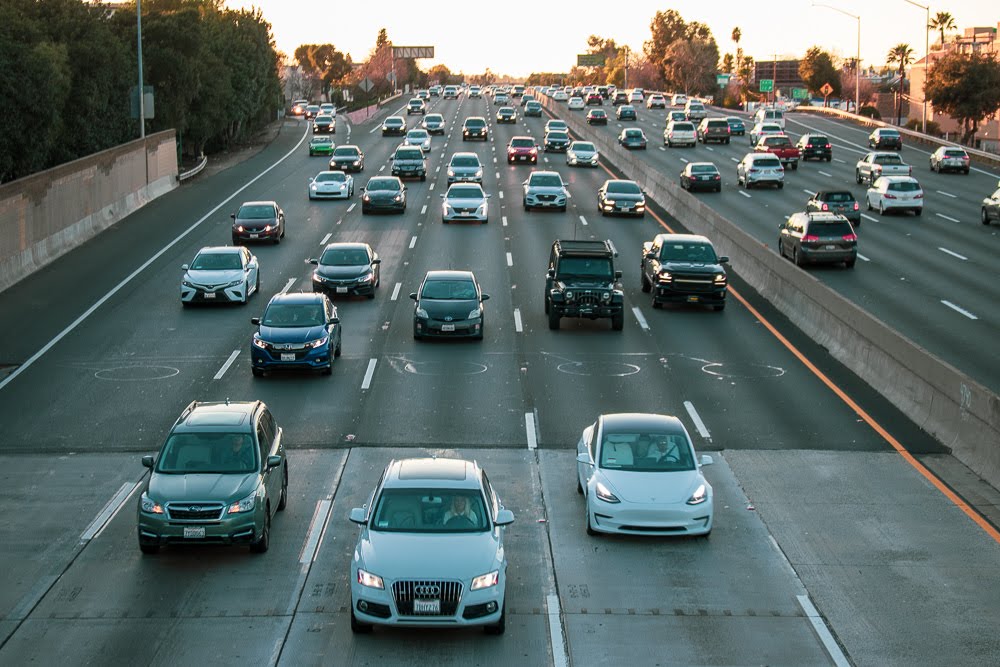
pixel 760 168
pixel 680 133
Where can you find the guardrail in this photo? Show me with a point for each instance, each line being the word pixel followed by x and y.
pixel 961 413
pixel 194 171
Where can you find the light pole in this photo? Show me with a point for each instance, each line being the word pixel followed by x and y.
pixel 142 101
pixel 857 63
pixel 927 59
pixel 625 86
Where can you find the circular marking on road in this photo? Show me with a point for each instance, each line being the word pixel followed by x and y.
pixel 136 373
pixel 742 370
pixel 598 368
pixel 440 368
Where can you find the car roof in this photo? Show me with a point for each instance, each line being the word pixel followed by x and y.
pixel 297 297
pixel 449 274
pixel 821 216
pixel 221 249
pixel 221 416
pixel 545 173
pixel 640 420
pixel 347 245
pixel 702 164
pixel 464 154
pixel 432 473
pixel 686 238
pixel 259 203
pixel 899 179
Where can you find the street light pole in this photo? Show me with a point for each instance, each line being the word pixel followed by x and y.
pixel 857 63
pixel 927 60
pixel 142 101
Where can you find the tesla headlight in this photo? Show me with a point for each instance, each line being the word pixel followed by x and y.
pixel 474 313
pixel 259 343
pixel 605 494
pixel 421 313
pixel 370 580
pixel 245 505
pixel 319 342
pixel 150 506
pixel 699 496
pixel 486 580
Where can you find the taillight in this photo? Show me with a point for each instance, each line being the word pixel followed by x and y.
pixel 754 169
pixel 919 195
pixel 857 207
pixel 850 237
pixel 827 146
pixel 826 207
pixel 910 172
pixel 718 177
pixel 810 237
pixel 692 178
pixel 889 196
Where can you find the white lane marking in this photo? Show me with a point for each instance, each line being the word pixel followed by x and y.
pixel 825 174
pixel 529 428
pixel 546 159
pixel 863 258
pixel 121 506
pixel 432 185
pixel 382 168
pixel 413 242
pixel 744 194
pixel 225 366
pixel 503 219
pixel 839 160
pixel 809 192
pixel 696 418
pixel 32 598
pixel 423 209
pixel 374 129
pixel 291 281
pixel 949 219
pixel 959 310
pixel 498 175
pixel 559 657
pixel 114 290
pixel 110 508
pixel 367 382
pixel 325 239
pixel 518 326
pixel 395 292
pixel 583 220
pixel 946 194
pixel 709 148
pixel 734 160
pixel 501 194
pixel 510 260
pixel 661 148
pixel 640 318
pixel 351 207
pixel 953 254
pixel 868 217
pixel 684 160
pixel 438 169
pixel 823 632
pixel 316 528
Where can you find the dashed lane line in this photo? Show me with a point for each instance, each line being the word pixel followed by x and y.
pixel 395 291
pixel 225 366
pixel 640 318
pixel 696 418
pixel 960 310
pixel 369 374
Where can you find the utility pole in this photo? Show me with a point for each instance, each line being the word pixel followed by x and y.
pixel 626 67
pixel 927 61
pixel 142 101
pixel 857 63
pixel 774 78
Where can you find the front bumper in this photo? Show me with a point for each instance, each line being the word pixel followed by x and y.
pixel 329 194
pixel 456 329
pixel 680 294
pixel 676 519
pixel 303 358
pixel 819 256
pixel 156 529
pixel 623 208
pixel 474 135
pixel 347 166
pixel 576 161
pixel 377 606
pixel 342 287
pixel 383 206
pixel 203 294
pixel 256 235
pixel 537 201
pixel 590 311
pixel 522 157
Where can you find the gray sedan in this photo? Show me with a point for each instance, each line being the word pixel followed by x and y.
pixel 465 201
pixel 582 153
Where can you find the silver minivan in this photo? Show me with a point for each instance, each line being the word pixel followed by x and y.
pixel 765 115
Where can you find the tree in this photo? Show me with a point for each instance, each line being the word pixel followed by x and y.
pixel 324 62
pixel 967 88
pixel 728 63
pixel 941 22
pixel 691 65
pixel 817 69
pixel 902 55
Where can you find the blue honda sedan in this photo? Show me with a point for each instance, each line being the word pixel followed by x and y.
pixel 297 331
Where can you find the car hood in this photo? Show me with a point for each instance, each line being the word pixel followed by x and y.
pixel 707 268
pixel 201 486
pixel 213 277
pixel 652 487
pixel 624 196
pixel 331 185
pixel 545 189
pixel 456 309
pixel 520 149
pixel 343 271
pixel 383 195
pixel 291 334
pixel 570 282
pixel 434 123
pixel 428 555
pixel 345 158
pixel 460 202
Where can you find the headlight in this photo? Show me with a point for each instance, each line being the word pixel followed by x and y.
pixel 245 505
pixel 312 187
pixel 486 580
pixel 605 494
pixel 474 313
pixel 719 279
pixel 421 313
pixel 699 496
pixel 451 172
pixel 479 173
pixel 370 580
pixel 398 198
pixel 319 342
pixel 185 283
pixel 259 343
pixel 356 163
pixel 606 296
pixel 665 277
pixel 609 202
pixel 367 278
pixel 150 506
pixel 366 198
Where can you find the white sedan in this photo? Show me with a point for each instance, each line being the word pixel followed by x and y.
pixel 575 104
pixel 560 96
pixel 331 185
pixel 223 273
pixel 640 476
pixel 895 193
pixel 465 201
pixel 420 138
pixel 582 153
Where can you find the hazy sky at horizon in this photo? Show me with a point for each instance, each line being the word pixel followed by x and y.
pixel 518 37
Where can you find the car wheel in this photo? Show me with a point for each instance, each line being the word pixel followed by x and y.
pixel 236 241
pixel 257 373
pixel 656 304
pixel 781 185
pixel 553 319
pixel 849 264
pixel 500 626
pixel 857 176
pixel 261 545
pixel 881 208
pixel 797 258
pixel 579 486
pixel 984 217
pixel 618 322
pixel 919 211
pixel 562 209
pixel 644 283
pixel 423 177
pixel 795 166
pixel 149 549
pixel 868 203
pixel 359 628
pixel 718 307
pixel 283 498
pixel 328 369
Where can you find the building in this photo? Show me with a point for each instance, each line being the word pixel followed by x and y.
pixel 972 40
pixel 784 73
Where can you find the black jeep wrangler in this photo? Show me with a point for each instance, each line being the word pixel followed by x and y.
pixel 582 282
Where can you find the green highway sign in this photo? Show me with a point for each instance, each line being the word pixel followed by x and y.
pixel 800 94
pixel 722 80
pixel 590 60
pixel 766 85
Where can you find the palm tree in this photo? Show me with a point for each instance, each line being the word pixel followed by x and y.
pixel 903 55
pixel 737 34
pixel 942 21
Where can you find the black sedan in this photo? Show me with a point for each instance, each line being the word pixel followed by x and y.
pixel 621 196
pixel 632 138
pixel 347 158
pixel 346 268
pixel 258 221
pixel 506 115
pixel 701 176
pixel 384 193
pixel 393 126
pixel 449 304
pixel 556 141
pixel 324 124
pixel 814 146
pixel 626 112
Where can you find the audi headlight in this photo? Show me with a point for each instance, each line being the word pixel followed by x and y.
pixel 486 580
pixel 421 313
pixel 699 496
pixel 149 505
pixel 370 580
pixel 245 505
pixel 259 343
pixel 474 313
pixel 319 342
pixel 605 494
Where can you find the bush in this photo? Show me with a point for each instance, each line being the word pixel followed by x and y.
pixel 933 127
pixel 870 112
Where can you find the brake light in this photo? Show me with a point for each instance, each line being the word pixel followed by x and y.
pixel 857 207
pixel 810 237
pixel 851 237
pixel 826 207
pixel 692 178
pixel 889 196
pixel 828 146
pixel 965 158
pixel 754 169
pixel 910 172
pixel 718 177
pixel 919 195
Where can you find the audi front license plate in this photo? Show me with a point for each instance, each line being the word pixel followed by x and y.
pixel 427 606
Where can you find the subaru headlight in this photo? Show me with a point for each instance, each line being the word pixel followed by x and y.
pixel 604 493
pixel 474 314
pixel 258 342
pixel 319 342
pixel 421 313
pixel 699 496
pixel 370 580
pixel 245 505
pixel 149 505
pixel 487 580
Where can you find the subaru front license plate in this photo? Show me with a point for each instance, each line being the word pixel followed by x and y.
pixel 196 533
pixel 426 606
pixel 288 356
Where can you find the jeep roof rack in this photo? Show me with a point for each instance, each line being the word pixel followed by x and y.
pixel 593 247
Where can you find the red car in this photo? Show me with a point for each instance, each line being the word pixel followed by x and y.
pixel 595 99
pixel 522 149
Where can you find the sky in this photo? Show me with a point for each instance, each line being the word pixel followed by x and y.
pixel 518 37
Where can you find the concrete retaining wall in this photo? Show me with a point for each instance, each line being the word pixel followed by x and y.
pixel 961 413
pixel 47 214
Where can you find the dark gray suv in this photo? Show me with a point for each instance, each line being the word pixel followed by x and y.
pixel 219 478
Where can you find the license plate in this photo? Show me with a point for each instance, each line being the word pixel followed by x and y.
pixel 426 606
pixel 447 327
pixel 704 178
pixel 194 533
pixel 209 295
pixel 829 247
pixel 254 236
pixel 693 299
pixel 341 290
pixel 288 356
pixel 626 208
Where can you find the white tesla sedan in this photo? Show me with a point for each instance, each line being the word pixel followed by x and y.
pixel 640 476
pixel 223 273
pixel 430 551
pixel 465 201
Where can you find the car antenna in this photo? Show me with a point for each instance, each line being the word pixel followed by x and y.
pixel 227 400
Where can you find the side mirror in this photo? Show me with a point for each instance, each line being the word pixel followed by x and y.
pixel 484 297
pixel 706 460
pixel 551 273
pixel 504 518
pixel 723 260
pixel 413 295
pixel 358 516
pixel 273 462
pixel 147 461
pixel 489 196
pixel 313 260
pixel 441 196
pixel 376 261
pixel 584 457
pixel 255 320
pixel 618 275
pixel 650 255
pixel 232 215
pixel 184 267
pixel 334 320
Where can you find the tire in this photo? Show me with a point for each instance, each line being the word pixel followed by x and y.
pixel 257 373
pixel 984 217
pixel 261 545
pixel 618 322
pixel 718 188
pixel 881 208
pixel 727 142
pixel 920 211
pixel 236 241
pixel 795 166
pixel 797 258
pixel 719 307
pixel 500 626
pixel 781 185
pixel 553 319
pixel 149 549
pixel 868 203
pixel 849 264
pixel 644 283
pixel 357 627
pixel 329 368
pixel 857 176
pixel 656 304
pixel 545 300
pixel 283 499
pixel 579 487
pixel 423 177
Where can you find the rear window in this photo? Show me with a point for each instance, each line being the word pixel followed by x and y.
pixel 955 153
pixel 832 228
pixel 836 197
pixel 888 159
pixel 767 162
pixel 717 123
pixel 475 122
pixel 889 133
pixel 818 141
pixel 904 186
pixel 683 127
pixel 703 169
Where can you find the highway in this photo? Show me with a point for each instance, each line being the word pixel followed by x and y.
pixel 928 277
pixel 828 547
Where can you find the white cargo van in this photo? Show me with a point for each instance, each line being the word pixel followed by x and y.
pixel 767 115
